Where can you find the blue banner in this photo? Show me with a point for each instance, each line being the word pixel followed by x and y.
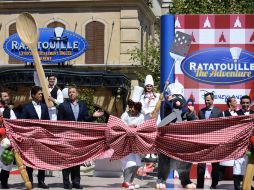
pixel 54 45
pixel 167 38
pixel 219 66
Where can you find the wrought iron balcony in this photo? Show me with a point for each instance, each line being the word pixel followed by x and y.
pixel 24 76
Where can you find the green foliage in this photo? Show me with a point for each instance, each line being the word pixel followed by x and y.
pixel 86 95
pixel 149 60
pixel 211 7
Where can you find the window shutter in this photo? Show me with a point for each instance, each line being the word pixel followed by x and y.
pixel 95 39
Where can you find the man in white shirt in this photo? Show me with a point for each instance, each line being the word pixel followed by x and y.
pixel 56 94
pixel 36 110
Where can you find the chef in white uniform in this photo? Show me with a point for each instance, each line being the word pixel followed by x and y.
pixel 132 118
pixel 149 100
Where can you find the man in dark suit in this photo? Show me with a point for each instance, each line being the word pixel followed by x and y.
pixel 56 95
pixel 232 107
pixel 245 102
pixel 74 110
pixel 36 110
pixel 210 111
pixel 6 112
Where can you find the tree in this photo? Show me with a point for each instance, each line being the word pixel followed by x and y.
pixel 86 95
pixel 212 7
pixel 149 60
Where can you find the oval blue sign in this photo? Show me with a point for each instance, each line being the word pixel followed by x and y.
pixel 220 66
pixel 54 45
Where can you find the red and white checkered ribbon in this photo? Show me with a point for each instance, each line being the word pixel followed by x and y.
pixel 211 140
pixel 125 140
pixel 55 145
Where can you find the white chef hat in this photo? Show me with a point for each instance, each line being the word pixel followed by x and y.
pixel 137 93
pixel 175 88
pixel 149 80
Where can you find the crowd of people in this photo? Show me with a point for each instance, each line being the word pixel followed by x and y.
pixel 140 108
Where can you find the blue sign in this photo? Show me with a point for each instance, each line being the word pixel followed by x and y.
pixel 54 45
pixel 219 66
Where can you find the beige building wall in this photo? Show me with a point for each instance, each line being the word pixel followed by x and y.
pixel 129 23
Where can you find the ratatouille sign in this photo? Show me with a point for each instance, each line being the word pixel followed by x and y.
pixel 54 45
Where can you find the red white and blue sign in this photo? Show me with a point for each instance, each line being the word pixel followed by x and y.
pixel 210 31
pixel 220 66
pixel 54 45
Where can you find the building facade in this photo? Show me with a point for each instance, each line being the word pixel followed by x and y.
pixel 111 27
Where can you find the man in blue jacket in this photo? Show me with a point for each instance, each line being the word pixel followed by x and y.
pixel 36 110
pixel 74 110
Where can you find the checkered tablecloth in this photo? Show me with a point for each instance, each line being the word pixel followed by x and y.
pixel 55 145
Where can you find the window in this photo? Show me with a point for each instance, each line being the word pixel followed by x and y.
pixel 55 24
pixel 13 30
pixel 95 39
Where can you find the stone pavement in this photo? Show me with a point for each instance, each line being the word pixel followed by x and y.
pixel 96 183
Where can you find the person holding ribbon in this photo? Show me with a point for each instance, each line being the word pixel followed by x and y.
pixel 231 111
pixel 240 164
pixel 39 111
pixel 132 118
pixel 174 111
pixel 209 111
pixel 74 110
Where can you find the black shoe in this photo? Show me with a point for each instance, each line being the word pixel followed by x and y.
pixel 77 187
pixel 200 186
pixel 67 187
pixel 5 186
pixel 42 185
pixel 213 187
